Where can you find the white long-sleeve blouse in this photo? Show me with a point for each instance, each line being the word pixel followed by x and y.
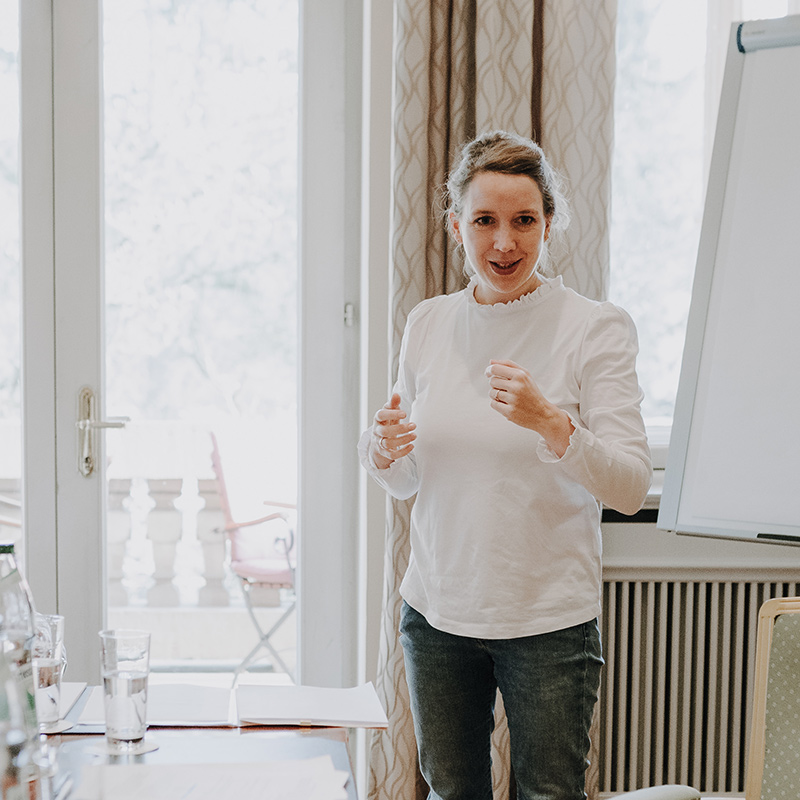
pixel 505 536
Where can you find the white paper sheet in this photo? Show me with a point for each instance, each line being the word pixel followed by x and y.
pixel 358 707
pixel 303 779
pixel 70 692
pixel 172 705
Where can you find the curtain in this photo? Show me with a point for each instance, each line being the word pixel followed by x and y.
pixel 578 130
pixel 463 67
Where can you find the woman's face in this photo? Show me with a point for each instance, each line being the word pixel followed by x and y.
pixel 503 229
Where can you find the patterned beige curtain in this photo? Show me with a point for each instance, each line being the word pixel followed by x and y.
pixel 462 67
pixel 578 130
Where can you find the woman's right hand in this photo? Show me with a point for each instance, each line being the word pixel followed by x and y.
pixel 391 437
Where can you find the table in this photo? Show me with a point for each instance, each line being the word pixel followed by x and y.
pixel 205 745
pixel 217 745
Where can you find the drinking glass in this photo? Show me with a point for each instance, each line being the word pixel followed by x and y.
pixel 48 667
pixel 125 666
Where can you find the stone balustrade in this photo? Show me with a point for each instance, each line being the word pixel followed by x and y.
pixel 166 549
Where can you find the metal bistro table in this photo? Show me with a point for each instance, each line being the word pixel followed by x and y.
pixel 77 747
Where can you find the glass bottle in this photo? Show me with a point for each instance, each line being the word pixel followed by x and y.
pixel 15 764
pixel 20 729
pixel 17 625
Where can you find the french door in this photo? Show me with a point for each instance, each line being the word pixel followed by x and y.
pixel 76 130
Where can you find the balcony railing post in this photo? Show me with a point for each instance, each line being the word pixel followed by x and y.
pixel 118 533
pixel 164 530
pixel 211 535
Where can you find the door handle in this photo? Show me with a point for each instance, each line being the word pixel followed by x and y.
pixel 87 426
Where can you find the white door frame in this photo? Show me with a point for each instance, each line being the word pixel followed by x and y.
pixel 62 313
pixel 330 125
pixel 38 299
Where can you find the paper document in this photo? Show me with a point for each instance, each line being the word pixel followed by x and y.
pixel 70 692
pixel 186 705
pixel 182 703
pixel 310 705
pixel 303 779
pixel 92 711
pixel 172 705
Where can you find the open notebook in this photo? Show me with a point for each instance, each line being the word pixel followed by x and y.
pixel 177 705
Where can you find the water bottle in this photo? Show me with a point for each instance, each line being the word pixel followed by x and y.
pixel 20 729
pixel 17 626
pixel 15 764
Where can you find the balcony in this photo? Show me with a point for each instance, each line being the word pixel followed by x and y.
pixel 166 551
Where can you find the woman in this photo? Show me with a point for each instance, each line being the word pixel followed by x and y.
pixel 516 413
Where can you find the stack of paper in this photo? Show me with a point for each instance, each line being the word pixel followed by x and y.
pixel 310 705
pixel 185 704
pixel 172 705
pixel 303 779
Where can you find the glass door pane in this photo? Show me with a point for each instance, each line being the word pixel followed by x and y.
pixel 200 116
pixel 10 276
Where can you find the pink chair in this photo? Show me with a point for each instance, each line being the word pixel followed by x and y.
pixel 261 556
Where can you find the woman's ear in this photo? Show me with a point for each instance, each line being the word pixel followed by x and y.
pixel 453 224
pixel 547 227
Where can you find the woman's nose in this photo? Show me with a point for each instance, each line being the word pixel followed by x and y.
pixel 504 239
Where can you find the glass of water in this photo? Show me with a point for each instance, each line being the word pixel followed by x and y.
pixel 49 661
pixel 125 666
pixel 47 682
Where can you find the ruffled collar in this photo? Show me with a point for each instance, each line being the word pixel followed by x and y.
pixel 527 301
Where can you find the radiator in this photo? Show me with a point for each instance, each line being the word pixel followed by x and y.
pixel 677 687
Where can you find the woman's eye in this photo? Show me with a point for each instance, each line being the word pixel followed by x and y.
pixel 526 220
pixel 482 221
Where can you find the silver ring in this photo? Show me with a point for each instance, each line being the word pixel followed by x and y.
pixel 497 395
pixel 382 443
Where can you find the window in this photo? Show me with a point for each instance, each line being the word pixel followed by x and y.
pixel 10 438
pixel 200 125
pixel 670 62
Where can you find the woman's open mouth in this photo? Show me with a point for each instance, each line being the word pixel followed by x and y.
pixel 504 266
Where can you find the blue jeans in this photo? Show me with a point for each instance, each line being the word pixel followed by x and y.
pixel 549 686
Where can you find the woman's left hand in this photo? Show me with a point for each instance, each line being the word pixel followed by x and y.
pixel 515 395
